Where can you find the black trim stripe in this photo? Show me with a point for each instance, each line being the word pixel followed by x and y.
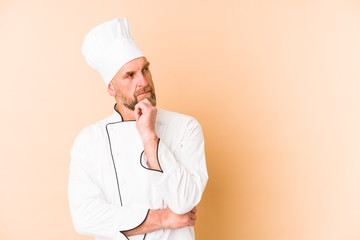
pixel 117 179
pixel 122 119
pixel 137 226
pixel 157 156
pixel 118 112
pixel 112 157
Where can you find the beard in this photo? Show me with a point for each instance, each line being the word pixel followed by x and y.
pixel 130 102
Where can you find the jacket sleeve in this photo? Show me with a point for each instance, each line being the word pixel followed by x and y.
pixel 91 213
pixel 184 174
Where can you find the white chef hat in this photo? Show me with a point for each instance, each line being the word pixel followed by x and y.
pixel 109 46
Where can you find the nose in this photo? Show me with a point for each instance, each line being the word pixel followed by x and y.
pixel 142 81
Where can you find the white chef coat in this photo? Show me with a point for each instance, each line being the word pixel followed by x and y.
pixel 111 189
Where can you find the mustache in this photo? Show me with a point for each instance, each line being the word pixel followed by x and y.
pixel 142 90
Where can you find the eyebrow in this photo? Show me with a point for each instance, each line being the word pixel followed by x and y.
pixel 147 64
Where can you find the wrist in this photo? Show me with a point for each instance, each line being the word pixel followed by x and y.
pixel 164 218
pixel 159 218
pixel 149 137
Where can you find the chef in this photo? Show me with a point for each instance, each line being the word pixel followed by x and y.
pixel 139 173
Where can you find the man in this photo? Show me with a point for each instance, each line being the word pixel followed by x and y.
pixel 139 173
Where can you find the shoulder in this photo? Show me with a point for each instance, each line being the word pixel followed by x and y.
pixel 93 134
pixel 179 121
pixel 164 115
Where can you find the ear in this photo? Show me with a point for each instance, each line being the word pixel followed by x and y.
pixel 111 89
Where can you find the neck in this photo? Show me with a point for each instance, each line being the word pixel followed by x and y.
pixel 126 113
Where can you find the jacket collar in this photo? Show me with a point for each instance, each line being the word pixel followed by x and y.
pixel 116 116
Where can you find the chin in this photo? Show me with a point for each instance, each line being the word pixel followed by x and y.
pixel 139 99
pixel 150 97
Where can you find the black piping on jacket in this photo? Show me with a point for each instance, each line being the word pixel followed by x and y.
pixel 116 175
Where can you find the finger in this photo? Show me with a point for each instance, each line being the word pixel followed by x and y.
pixel 192 223
pixel 142 105
pixel 137 112
pixel 145 107
pixel 194 210
pixel 146 100
pixel 189 221
pixel 193 217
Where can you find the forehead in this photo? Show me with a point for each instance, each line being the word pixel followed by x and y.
pixel 134 64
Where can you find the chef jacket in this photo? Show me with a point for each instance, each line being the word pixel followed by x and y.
pixel 111 188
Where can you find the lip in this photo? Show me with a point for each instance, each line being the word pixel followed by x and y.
pixel 143 94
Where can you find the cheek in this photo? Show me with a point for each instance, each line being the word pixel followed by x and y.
pixel 150 81
pixel 125 88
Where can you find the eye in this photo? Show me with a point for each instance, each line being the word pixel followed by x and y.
pixel 130 75
pixel 145 69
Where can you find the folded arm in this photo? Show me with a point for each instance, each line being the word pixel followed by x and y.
pixel 164 219
pixel 183 171
pixel 93 215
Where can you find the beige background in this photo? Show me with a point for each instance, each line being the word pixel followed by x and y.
pixel 275 85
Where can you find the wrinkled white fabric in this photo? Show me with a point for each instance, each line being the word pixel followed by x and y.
pixel 111 189
pixel 109 46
